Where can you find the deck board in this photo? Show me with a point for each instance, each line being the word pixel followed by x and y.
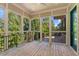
pixel 36 48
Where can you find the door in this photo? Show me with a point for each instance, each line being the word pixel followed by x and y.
pixel 73 28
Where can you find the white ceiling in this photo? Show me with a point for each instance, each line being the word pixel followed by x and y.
pixel 34 7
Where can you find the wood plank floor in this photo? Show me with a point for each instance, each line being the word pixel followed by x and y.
pixel 37 48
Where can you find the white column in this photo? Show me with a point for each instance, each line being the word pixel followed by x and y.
pixel 78 29
pixel 22 25
pixel 50 39
pixel 6 27
pixel 30 32
pixel 40 28
pixel 29 24
pixel 67 30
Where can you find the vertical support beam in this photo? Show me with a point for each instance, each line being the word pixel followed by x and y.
pixel 50 39
pixel 30 25
pixel 40 28
pixel 68 28
pixel 30 32
pixel 22 25
pixel 6 27
pixel 78 29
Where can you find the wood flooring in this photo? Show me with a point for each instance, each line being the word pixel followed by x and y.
pixel 37 48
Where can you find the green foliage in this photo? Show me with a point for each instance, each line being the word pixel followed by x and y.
pixel 26 24
pixel 1 41
pixel 1 35
pixel 35 24
pixel 15 39
pixel 14 22
pixel 14 26
pixel 52 26
pixel 1 25
pixel 37 35
pixel 45 25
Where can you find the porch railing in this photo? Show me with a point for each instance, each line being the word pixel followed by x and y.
pixel 14 39
pixel 11 40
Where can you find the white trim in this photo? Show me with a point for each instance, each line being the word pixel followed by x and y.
pixel 10 10
pixel 21 8
pixel 72 7
pixel 59 31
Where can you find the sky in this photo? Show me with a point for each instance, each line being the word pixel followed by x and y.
pixel 1 13
pixel 56 21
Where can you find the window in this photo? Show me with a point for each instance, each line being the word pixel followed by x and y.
pixel 73 28
pixel 14 27
pixel 58 23
pixel 45 27
pixel 45 24
pixel 2 13
pixel 35 27
pixel 26 24
pixel 35 24
pixel 14 22
pixel 58 26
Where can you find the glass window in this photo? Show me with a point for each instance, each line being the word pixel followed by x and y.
pixel 73 28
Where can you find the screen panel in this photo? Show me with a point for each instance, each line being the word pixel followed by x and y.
pixel 2 15
pixel 45 28
pixel 58 23
pixel 26 24
pixel 14 28
pixel 35 24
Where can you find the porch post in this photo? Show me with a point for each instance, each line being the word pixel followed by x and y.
pixel 6 27
pixel 50 39
pixel 40 28
pixel 67 29
pixel 22 25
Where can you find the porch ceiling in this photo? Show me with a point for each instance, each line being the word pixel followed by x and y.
pixel 38 7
